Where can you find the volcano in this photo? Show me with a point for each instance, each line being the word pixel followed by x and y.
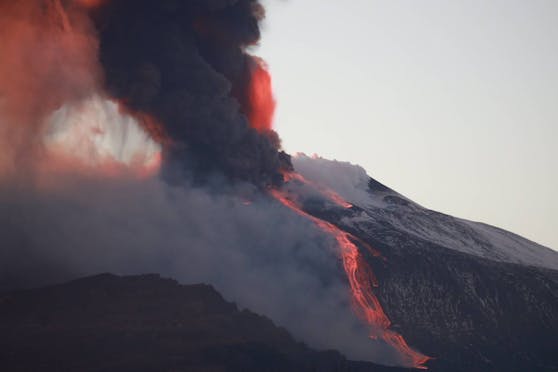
pixel 142 142
pixel 472 296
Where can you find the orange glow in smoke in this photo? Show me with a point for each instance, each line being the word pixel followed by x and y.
pixel 48 56
pixel 151 168
pixel 361 279
pixel 260 96
pixel 90 4
pixel 97 135
pixel 57 164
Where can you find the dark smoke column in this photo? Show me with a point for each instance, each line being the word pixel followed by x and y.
pixel 184 62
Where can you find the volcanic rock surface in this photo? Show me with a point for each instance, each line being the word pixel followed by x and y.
pixel 472 296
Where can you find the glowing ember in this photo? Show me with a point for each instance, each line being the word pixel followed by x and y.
pixel 261 102
pixel 361 280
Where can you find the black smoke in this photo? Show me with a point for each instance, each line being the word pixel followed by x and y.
pixel 185 63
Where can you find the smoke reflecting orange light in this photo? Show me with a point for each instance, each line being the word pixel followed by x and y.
pixel 99 134
pixel 90 3
pixel 261 101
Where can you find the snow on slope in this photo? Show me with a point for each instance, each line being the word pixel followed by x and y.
pixel 383 205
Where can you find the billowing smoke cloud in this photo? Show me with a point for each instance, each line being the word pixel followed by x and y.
pixel 350 181
pixel 185 62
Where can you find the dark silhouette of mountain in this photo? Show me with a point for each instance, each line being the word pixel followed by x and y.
pixel 146 323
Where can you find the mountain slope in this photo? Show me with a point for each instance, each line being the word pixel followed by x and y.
pixel 381 206
pixel 474 297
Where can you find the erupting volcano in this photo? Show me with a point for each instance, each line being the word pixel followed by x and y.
pixel 260 109
pixel 155 124
pixel 136 86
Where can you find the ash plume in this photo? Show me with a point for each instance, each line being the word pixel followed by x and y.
pixel 185 62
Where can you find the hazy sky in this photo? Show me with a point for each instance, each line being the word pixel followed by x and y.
pixel 452 103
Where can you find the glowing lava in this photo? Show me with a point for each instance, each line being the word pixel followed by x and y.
pixel 360 276
pixel 260 97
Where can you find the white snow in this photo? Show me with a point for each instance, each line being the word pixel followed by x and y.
pixel 351 182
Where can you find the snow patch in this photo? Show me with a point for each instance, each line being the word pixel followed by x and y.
pixel 390 208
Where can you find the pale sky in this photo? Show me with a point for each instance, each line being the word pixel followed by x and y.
pixel 453 103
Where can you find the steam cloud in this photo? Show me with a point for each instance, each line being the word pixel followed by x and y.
pixel 178 71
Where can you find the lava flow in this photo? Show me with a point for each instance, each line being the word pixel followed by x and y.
pixel 360 276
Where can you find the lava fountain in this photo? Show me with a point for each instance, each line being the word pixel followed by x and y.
pixel 261 104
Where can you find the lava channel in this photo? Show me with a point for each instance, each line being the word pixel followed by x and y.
pixel 361 278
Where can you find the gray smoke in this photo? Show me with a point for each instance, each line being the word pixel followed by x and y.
pixel 257 253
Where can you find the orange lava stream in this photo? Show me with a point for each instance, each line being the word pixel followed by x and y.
pixel 361 281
